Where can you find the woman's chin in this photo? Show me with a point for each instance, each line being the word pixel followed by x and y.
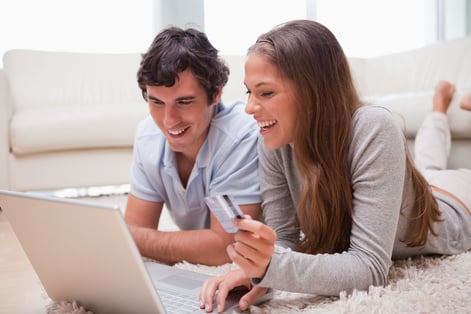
pixel 272 143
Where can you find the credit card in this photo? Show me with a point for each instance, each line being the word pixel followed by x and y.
pixel 225 210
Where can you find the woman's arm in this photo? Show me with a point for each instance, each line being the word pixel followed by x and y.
pixel 279 194
pixel 377 163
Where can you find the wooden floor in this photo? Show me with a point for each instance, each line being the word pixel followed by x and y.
pixel 20 289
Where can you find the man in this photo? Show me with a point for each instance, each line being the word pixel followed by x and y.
pixel 190 147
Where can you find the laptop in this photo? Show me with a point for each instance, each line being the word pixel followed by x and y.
pixel 84 251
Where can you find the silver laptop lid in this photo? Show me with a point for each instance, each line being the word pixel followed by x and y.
pixel 82 251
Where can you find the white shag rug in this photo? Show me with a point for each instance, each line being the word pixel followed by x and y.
pixel 440 284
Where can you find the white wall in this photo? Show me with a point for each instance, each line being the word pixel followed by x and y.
pixel 182 13
pixel 455 18
pixel 76 25
pixel 363 27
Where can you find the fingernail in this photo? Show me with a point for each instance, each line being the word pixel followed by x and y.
pixel 243 305
pixel 206 307
pixel 220 308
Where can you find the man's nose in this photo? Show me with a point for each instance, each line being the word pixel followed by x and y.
pixel 171 115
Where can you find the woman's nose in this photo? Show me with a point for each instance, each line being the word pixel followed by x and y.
pixel 251 107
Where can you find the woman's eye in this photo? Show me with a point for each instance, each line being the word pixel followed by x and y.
pixel 266 94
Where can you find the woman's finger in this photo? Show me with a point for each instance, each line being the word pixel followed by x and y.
pixel 250 268
pixel 257 247
pixel 260 255
pixel 222 285
pixel 249 298
pixel 223 292
pixel 256 227
pixel 208 291
pixel 265 246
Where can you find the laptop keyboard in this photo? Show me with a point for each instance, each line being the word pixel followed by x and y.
pixel 179 303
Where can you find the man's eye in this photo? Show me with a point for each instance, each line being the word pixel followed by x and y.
pixel 185 102
pixel 266 94
pixel 156 103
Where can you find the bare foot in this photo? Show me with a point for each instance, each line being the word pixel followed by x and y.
pixel 443 95
pixel 466 102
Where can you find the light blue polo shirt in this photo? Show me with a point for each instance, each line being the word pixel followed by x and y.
pixel 227 163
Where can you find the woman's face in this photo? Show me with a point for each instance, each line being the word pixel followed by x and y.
pixel 271 101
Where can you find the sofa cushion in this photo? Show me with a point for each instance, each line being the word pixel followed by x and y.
pixel 56 128
pixel 411 108
pixel 415 70
pixel 38 79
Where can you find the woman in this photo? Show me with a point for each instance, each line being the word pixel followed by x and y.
pixel 341 196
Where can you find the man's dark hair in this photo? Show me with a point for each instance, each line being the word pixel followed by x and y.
pixel 173 51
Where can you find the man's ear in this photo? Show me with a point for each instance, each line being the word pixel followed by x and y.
pixel 217 95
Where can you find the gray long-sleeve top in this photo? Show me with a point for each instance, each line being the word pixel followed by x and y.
pixel 382 204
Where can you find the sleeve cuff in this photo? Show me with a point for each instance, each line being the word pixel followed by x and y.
pixel 265 281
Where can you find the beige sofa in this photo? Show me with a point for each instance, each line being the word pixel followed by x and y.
pixel 68 119
pixel 404 82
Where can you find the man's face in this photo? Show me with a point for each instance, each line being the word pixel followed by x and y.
pixel 182 113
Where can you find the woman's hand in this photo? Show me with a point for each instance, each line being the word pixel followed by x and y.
pixel 254 245
pixel 223 285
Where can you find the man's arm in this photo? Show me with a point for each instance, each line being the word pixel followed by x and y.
pixel 206 246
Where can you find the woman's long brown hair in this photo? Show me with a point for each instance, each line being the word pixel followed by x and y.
pixel 309 55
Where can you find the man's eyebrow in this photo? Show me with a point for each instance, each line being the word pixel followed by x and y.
pixel 182 98
pixel 153 98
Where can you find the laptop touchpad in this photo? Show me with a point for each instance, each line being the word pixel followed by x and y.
pixel 182 282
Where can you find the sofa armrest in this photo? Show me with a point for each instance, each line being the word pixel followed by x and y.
pixel 5 115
